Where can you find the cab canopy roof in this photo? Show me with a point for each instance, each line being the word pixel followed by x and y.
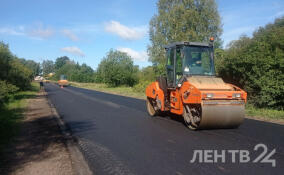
pixel 182 43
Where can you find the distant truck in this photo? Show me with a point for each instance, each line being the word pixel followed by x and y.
pixel 63 81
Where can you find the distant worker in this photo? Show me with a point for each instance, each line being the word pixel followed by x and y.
pixel 40 85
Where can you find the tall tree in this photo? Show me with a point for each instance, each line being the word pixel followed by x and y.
pixel 61 61
pixel 117 69
pixel 47 67
pixel 5 59
pixel 182 20
pixel 32 65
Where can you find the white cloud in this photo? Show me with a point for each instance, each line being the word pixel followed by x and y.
pixel 73 50
pixel 128 33
pixel 69 34
pixel 138 56
pixel 33 31
pixel 11 31
pixel 41 32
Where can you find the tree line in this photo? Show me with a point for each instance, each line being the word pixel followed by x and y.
pixel 257 65
pixel 65 66
pixel 115 69
pixel 254 63
pixel 15 73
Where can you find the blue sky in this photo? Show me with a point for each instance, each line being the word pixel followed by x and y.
pixel 85 30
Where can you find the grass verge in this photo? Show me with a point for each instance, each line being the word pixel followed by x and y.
pixel 251 112
pixel 122 90
pixel 265 114
pixel 12 113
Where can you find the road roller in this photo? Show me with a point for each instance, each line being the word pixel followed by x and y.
pixel 192 90
pixel 63 81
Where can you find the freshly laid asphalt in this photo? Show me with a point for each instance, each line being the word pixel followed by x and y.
pixel 117 136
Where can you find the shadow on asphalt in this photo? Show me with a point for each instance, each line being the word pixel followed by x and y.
pixel 79 127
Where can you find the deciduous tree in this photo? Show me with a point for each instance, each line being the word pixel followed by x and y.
pixel 182 20
pixel 117 69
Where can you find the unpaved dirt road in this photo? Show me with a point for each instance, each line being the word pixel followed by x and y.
pixel 40 147
pixel 117 136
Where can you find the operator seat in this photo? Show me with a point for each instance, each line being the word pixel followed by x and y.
pixel 163 85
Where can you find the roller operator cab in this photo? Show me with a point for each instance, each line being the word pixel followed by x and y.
pixel 192 90
pixel 63 81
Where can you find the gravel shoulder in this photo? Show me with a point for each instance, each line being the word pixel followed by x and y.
pixel 40 147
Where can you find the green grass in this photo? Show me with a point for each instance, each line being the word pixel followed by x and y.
pixel 12 114
pixel 121 90
pixel 269 114
pixel 261 113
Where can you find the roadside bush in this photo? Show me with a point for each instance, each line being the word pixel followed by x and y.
pixel 5 90
pixel 257 65
pixel 146 76
pixel 12 71
pixel 97 77
pixel 117 69
pixel 141 86
pixel 19 75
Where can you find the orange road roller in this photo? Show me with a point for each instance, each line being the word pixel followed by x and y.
pixel 63 81
pixel 192 90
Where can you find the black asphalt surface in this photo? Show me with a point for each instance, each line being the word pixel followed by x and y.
pixel 117 136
